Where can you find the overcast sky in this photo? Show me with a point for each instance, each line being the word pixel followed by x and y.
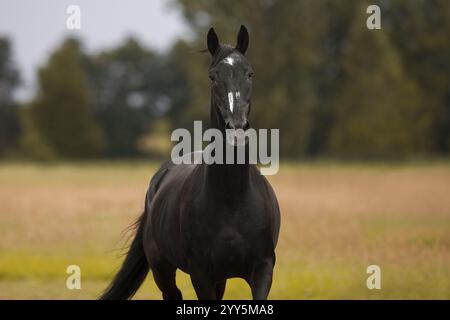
pixel 36 27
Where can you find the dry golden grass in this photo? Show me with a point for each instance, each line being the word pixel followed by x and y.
pixel 336 220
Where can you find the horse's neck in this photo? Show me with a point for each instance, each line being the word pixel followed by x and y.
pixel 228 178
pixel 232 179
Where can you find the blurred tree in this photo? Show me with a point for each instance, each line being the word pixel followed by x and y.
pixel 32 143
pixel 133 86
pixel 61 111
pixel 193 98
pixel 9 80
pixel 421 31
pixel 177 85
pixel 336 20
pixel 379 110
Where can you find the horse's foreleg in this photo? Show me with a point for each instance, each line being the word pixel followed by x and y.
pixel 204 287
pixel 220 289
pixel 261 279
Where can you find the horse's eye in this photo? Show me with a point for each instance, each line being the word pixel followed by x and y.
pixel 212 77
pixel 250 75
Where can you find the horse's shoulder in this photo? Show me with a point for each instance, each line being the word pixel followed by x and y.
pixel 259 180
pixel 265 190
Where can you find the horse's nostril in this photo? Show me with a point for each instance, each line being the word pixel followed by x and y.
pixel 246 125
pixel 229 125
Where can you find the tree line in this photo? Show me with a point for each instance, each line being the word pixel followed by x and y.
pixel 332 86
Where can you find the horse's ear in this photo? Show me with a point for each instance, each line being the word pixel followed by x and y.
pixel 242 40
pixel 213 41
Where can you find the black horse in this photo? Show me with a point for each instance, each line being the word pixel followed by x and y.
pixel 215 221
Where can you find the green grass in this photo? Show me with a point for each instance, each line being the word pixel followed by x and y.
pixel 336 220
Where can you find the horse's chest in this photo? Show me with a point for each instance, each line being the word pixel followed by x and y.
pixel 226 236
pixel 227 241
pixel 229 248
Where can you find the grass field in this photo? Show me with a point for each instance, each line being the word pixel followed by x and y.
pixel 336 221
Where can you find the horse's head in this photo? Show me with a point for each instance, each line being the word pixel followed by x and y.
pixel 231 81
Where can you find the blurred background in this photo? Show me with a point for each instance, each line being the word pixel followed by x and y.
pixel 364 118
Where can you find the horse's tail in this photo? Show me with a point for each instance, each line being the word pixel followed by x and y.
pixel 133 270
pixel 135 267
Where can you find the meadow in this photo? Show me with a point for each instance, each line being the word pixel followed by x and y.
pixel 337 219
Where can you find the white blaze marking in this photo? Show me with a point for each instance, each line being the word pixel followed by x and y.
pixel 229 60
pixel 230 100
